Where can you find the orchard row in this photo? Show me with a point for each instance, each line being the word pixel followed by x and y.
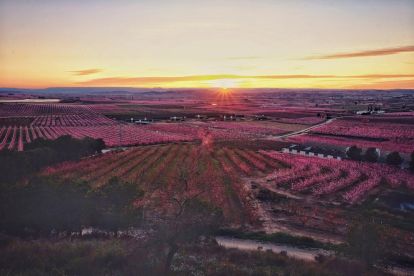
pixel 350 179
pixel 177 169
pixel 112 135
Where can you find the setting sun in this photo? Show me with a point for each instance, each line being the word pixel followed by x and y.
pixel 224 83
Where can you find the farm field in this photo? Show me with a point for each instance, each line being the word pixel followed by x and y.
pixel 403 145
pixel 384 132
pixel 11 136
pixel 364 128
pixel 50 115
pixel 219 174
pixel 347 179
pixel 260 189
pixel 228 153
pixel 318 197
pixel 22 123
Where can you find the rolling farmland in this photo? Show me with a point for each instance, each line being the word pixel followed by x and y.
pixel 230 160
pixel 219 174
pixel 22 123
pixel 207 138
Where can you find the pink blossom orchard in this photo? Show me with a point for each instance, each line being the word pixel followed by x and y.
pixel 242 127
pixel 368 129
pixel 303 121
pixel 131 135
pixel 161 168
pixel 4 141
pixel 13 140
pixel 325 176
pixel 194 131
pixel 82 119
pixel 40 109
pixel 400 145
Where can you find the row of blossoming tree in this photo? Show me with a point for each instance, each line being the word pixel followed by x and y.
pixel 325 176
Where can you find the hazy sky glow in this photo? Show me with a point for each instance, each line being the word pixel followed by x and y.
pixel 286 44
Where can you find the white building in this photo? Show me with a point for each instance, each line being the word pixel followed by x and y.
pixel 314 151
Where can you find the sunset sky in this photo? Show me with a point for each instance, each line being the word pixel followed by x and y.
pixel 167 43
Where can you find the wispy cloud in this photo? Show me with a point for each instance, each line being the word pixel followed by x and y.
pixel 114 81
pixel 404 84
pixel 369 53
pixel 243 57
pixel 85 72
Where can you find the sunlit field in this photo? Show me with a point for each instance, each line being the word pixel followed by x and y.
pixel 231 154
pixel 198 138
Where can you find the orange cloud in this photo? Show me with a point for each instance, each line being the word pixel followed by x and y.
pixel 85 72
pixel 370 53
pixel 114 81
pixel 406 84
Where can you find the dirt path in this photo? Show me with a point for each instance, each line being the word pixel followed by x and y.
pixel 293 252
pixel 306 254
pixel 304 130
pixel 272 222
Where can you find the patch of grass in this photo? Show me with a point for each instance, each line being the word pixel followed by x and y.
pixel 111 257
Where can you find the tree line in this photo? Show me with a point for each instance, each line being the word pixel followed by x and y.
pixel 40 153
pixel 48 206
pixel 371 155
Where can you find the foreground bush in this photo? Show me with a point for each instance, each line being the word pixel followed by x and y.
pixel 119 257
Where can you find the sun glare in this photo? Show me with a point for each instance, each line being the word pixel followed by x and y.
pixel 224 83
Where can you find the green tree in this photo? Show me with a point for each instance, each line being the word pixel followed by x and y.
pixel 354 153
pixel 38 143
pixel 45 205
pixel 362 241
pixel 371 155
pixel 394 158
pixel 75 204
pixel 191 219
pixel 69 148
pixel 14 166
pixel 93 146
pixel 99 145
pixel 115 205
pixel 179 217
pixel 42 157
